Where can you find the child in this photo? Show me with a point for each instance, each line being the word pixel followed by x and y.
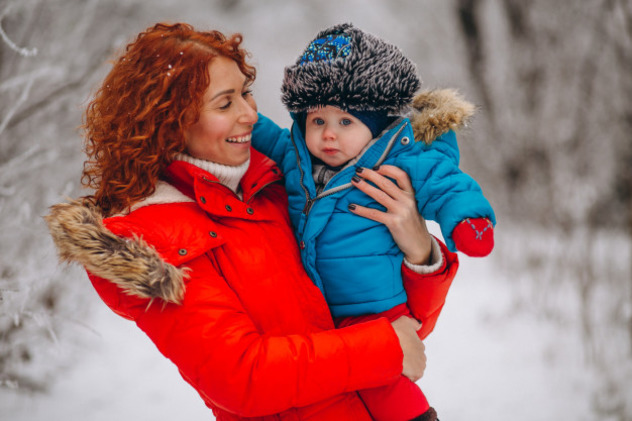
pixel 346 94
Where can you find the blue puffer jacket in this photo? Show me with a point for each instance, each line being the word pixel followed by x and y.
pixel 354 260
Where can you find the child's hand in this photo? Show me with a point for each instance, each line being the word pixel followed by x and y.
pixel 474 237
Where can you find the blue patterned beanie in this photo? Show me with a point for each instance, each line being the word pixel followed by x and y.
pixel 352 70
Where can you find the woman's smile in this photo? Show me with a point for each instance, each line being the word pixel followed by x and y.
pixel 223 131
pixel 243 139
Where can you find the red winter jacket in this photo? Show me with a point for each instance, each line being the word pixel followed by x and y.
pixel 217 284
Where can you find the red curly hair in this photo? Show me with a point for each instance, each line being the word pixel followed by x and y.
pixel 136 122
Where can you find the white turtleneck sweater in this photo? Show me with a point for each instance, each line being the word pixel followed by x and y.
pixel 229 176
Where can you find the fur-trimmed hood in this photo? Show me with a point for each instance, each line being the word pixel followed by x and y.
pixel 145 252
pixel 136 267
pixel 435 112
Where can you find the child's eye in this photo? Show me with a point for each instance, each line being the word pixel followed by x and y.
pixel 319 121
pixel 345 122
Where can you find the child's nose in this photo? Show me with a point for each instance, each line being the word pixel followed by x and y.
pixel 328 133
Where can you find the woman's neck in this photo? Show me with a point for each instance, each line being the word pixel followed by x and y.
pixel 229 176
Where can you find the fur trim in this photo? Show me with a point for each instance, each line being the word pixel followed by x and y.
pixel 353 70
pixel 437 112
pixel 132 264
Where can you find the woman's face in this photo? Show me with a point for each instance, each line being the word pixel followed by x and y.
pixel 228 113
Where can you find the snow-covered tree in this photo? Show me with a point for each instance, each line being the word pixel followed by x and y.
pixel 550 145
pixel 554 84
pixel 51 51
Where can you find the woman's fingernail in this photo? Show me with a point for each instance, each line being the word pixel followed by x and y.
pixel 359 170
pixel 351 206
pixel 377 167
pixel 356 179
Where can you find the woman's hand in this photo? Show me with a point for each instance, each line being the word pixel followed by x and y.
pixel 414 362
pixel 401 218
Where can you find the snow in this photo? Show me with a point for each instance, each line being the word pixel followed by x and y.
pixel 487 358
pixel 119 375
pixel 484 358
pixel 521 345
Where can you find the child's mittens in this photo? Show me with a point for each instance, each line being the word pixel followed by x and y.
pixel 474 236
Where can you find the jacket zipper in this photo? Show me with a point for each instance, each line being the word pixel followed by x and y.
pixel 308 206
pixel 256 192
pixel 309 202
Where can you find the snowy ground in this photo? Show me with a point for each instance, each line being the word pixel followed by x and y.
pixel 496 353
pixel 485 361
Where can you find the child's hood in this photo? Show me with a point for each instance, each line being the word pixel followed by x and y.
pixel 435 112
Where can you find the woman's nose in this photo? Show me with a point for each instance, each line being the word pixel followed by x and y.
pixel 249 111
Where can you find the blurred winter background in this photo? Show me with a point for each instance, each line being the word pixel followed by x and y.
pixel 540 330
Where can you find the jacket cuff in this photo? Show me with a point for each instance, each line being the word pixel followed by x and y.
pixel 374 353
pixel 435 263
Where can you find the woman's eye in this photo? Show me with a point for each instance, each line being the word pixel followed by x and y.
pixel 225 106
pixel 246 93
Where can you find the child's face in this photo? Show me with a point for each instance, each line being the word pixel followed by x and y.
pixel 335 136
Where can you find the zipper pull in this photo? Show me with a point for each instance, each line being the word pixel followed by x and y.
pixel 308 206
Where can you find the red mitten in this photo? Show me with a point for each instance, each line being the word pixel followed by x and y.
pixel 474 237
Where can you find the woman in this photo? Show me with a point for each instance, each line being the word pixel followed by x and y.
pixel 197 249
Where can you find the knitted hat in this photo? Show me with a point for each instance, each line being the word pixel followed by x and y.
pixel 376 121
pixel 350 69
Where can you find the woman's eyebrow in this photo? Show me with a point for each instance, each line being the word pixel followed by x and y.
pixel 227 91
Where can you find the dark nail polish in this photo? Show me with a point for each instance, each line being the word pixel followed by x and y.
pixel 356 179
pixel 359 170
pixel 377 167
pixel 351 206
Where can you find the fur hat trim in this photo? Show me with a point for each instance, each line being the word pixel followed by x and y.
pixel 350 69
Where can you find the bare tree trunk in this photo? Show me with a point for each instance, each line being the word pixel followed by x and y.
pixel 555 79
pixel 468 12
